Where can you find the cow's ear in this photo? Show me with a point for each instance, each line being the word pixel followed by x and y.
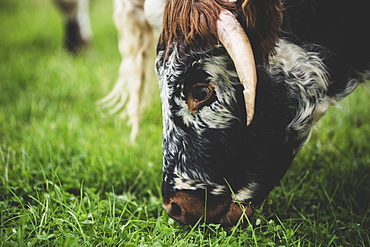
pixel 265 18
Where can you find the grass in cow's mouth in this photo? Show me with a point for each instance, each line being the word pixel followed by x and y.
pixel 69 177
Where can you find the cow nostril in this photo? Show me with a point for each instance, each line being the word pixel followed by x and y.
pixel 175 210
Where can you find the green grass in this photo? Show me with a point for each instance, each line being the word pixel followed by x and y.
pixel 69 177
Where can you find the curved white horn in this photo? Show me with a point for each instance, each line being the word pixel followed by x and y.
pixel 233 37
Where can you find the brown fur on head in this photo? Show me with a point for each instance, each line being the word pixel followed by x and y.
pixel 265 17
pixel 193 22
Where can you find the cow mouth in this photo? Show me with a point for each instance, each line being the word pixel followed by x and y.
pixel 190 208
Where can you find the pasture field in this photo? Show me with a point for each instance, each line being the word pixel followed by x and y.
pixel 69 177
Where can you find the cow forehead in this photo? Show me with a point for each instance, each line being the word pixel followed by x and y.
pixel 175 65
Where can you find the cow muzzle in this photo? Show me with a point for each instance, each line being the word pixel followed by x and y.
pixel 189 208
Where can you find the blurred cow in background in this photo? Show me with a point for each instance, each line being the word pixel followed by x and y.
pixel 76 23
pixel 138 23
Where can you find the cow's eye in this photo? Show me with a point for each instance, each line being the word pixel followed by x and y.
pixel 199 95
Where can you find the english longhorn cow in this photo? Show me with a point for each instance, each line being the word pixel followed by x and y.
pixel 224 149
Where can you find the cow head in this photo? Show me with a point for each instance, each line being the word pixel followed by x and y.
pixel 217 161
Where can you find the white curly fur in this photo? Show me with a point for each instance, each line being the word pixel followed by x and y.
pixel 138 23
pixel 136 39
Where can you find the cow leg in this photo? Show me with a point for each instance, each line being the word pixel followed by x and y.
pixel 77 23
pixel 136 45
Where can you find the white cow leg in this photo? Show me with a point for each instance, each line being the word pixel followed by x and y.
pixel 136 45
